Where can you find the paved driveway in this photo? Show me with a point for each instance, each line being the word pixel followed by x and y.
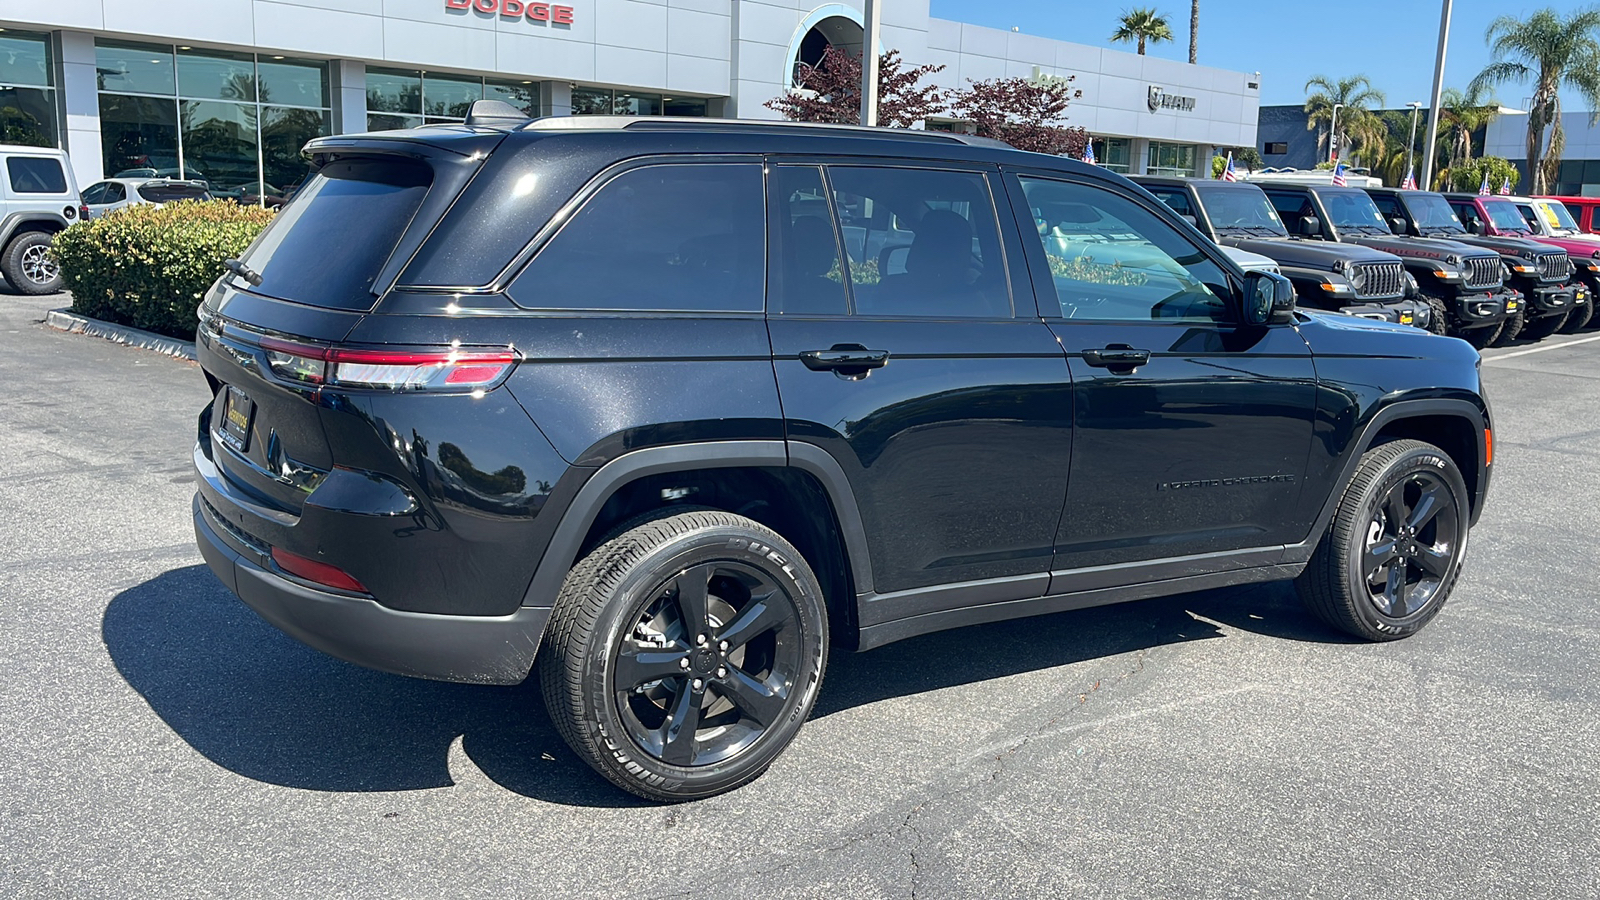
pixel 159 740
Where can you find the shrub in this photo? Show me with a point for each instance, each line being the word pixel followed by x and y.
pixel 149 266
pixel 1468 176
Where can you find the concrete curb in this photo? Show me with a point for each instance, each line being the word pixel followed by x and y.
pixel 71 322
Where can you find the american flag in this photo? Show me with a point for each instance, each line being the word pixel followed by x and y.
pixel 1338 175
pixel 1483 189
pixel 1410 184
pixel 1088 153
pixel 1227 171
pixel 1505 186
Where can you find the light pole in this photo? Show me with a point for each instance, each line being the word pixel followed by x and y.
pixel 1438 88
pixel 1333 133
pixel 869 62
pixel 1411 144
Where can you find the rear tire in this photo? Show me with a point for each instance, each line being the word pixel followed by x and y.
pixel 1386 564
pixel 1510 328
pixel 1543 327
pixel 27 265
pixel 683 654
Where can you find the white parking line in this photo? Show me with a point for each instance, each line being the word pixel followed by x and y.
pixel 1541 348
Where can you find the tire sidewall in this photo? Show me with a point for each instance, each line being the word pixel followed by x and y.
pixel 13 264
pixel 1419 460
pixel 751 547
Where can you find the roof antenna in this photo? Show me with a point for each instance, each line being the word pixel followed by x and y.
pixel 490 113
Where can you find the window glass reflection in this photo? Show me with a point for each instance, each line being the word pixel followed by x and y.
pixel 25 59
pixel 394 91
pixel 292 82
pixel 219 146
pixel 524 95
pixel 138 133
pixel 450 97
pixel 28 116
pixel 217 76
pixel 134 68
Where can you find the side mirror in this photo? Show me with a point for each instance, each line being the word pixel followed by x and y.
pixel 1268 299
pixel 1396 224
pixel 1187 217
pixel 1310 226
pixel 1472 226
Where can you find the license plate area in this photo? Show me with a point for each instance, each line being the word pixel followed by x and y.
pixel 238 414
pixel 1407 317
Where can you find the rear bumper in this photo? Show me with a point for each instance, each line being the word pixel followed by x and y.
pixel 475 649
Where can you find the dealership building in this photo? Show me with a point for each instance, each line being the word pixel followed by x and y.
pixel 229 90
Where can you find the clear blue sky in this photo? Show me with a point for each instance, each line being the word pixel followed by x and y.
pixel 1392 42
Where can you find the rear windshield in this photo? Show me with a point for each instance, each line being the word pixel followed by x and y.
pixel 168 193
pixel 325 248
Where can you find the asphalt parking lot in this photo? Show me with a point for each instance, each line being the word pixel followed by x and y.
pixel 157 739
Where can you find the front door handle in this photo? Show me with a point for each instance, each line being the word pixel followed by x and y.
pixel 1121 359
pixel 844 358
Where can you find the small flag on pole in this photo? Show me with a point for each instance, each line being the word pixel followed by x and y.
pixel 1505 186
pixel 1088 153
pixel 1483 189
pixel 1227 171
pixel 1410 184
pixel 1338 175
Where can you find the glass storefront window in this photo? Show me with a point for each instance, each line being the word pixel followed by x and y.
pixel 25 59
pixel 524 95
pixel 292 82
pixel 204 115
pixel 591 102
pixel 217 76
pixel 1172 160
pixel 391 121
pixel 134 68
pixel 628 104
pixel 28 116
pixel 1114 154
pixel 219 145
pixel 683 107
pixel 394 91
pixel 138 133
pixel 450 97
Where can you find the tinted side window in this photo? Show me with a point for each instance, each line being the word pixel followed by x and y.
pixel 807 276
pixel 94 194
pixel 1175 198
pixel 1467 213
pixel 920 242
pixel 115 193
pixel 1291 209
pixel 1389 206
pixel 1112 259
pixel 31 175
pixel 665 237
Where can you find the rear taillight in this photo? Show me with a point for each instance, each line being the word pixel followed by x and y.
pixel 83 213
pixel 318 572
pixel 451 369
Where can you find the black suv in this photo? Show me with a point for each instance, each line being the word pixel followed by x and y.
pixel 1354 280
pixel 1465 285
pixel 670 407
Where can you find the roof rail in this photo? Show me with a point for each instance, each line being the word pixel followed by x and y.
pixel 667 123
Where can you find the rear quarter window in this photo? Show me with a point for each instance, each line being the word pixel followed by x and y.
pixel 33 175
pixel 670 237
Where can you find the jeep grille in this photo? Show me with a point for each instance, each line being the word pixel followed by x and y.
pixel 1373 281
pixel 1483 272
pixel 1554 266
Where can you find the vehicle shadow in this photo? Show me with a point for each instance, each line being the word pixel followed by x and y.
pixel 260 704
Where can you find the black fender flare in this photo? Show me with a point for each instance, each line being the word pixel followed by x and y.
pixel 1362 442
pixel 14 222
pixel 562 551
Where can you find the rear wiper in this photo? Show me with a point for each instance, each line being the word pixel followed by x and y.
pixel 243 271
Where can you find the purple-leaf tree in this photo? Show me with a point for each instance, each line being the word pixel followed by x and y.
pixel 1023 113
pixel 830 92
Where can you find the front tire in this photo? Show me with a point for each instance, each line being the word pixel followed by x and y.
pixel 1510 328
pixel 1543 327
pixel 1438 316
pixel 683 654
pixel 1386 564
pixel 27 264
pixel 1578 317
pixel 1483 338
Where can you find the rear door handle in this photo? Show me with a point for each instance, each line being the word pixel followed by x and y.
pixel 844 357
pixel 1120 359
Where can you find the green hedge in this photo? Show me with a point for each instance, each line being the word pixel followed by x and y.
pixel 150 266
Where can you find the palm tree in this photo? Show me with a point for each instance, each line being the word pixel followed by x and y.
pixel 1355 96
pixel 1142 24
pixel 1461 114
pixel 1194 31
pixel 1554 53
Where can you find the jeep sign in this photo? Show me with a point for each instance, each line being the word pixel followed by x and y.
pixel 1160 99
pixel 516 9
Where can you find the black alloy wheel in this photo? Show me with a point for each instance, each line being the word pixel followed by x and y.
pixel 1410 547
pixel 1387 562
pixel 709 664
pixel 684 653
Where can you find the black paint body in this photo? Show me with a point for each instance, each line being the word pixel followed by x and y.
pixel 989 470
